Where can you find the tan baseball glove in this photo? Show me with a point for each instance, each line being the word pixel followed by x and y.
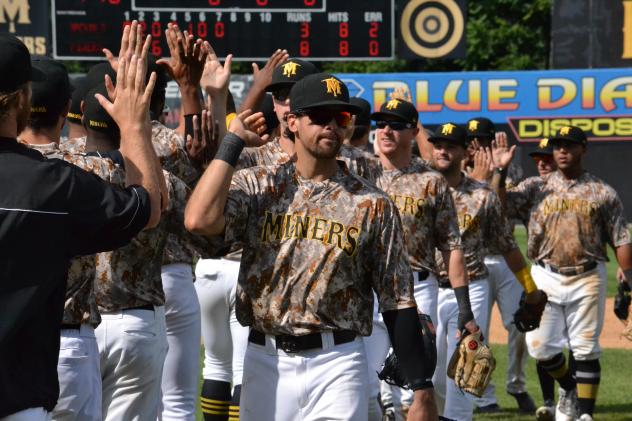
pixel 472 364
pixel 627 330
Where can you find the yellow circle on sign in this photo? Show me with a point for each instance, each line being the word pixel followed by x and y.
pixel 440 17
pixel 446 47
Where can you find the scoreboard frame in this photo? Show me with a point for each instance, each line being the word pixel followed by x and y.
pixel 390 38
pixel 225 9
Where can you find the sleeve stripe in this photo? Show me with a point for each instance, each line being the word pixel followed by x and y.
pixel 137 208
pixel 33 211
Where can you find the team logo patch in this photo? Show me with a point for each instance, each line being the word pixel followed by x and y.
pixel 473 125
pixel 543 143
pixel 472 345
pixel 564 130
pixel 392 104
pixel 289 69
pixel 334 86
pixel 447 128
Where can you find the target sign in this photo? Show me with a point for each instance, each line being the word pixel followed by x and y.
pixel 432 29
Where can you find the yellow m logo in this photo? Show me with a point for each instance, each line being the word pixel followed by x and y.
pixel 289 69
pixel 333 86
pixel 543 143
pixel 447 128
pixel 564 130
pixel 393 103
pixel 12 9
pixel 473 125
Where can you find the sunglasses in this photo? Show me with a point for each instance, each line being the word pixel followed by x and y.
pixel 281 94
pixel 395 125
pixel 323 117
pixel 546 158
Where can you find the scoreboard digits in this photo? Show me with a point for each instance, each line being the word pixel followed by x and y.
pixel 249 29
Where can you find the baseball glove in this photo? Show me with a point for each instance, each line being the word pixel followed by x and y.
pixel 622 301
pixel 528 316
pixel 391 371
pixel 472 364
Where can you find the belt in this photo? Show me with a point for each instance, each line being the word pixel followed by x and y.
pixel 569 271
pixel 145 307
pixel 73 326
pixel 422 275
pixel 446 284
pixel 293 344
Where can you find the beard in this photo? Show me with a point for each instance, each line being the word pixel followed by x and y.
pixel 322 151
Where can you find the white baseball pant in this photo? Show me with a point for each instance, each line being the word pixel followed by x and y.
pixel 31 414
pixel 505 290
pixel 316 385
pixel 182 363
pixel 79 376
pixel 426 296
pixel 225 340
pixel 575 310
pixel 376 347
pixel 132 345
pixel 453 402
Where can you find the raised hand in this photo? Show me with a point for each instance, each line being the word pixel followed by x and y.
pixel 263 77
pixel 483 165
pixel 242 124
pixel 215 77
pixel 202 146
pixel 131 43
pixel 502 154
pixel 188 57
pixel 401 93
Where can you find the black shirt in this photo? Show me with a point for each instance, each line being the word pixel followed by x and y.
pixel 50 211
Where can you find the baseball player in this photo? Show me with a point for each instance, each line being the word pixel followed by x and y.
pixel 429 220
pixel 482 226
pixel 317 240
pixel 58 210
pixel 361 126
pixel 505 291
pixel 572 216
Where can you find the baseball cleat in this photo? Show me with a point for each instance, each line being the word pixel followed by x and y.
pixel 524 401
pixel 585 417
pixel 566 409
pixel 546 412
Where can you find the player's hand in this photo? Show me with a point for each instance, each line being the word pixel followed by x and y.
pixel 131 43
pixel 501 152
pixel 188 56
pixel 263 77
pixel 423 407
pixel 470 327
pixel 536 297
pixel 129 100
pixel 483 165
pixel 620 275
pixel 215 77
pixel 401 93
pixel 202 146
pixel 238 127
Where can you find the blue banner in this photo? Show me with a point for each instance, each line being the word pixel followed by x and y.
pixel 534 104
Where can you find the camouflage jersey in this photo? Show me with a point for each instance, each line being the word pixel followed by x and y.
pixel 426 208
pixel 314 251
pixel 482 225
pixel 80 305
pixel 570 221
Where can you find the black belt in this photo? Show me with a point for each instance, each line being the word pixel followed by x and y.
pixel 73 326
pixel 444 284
pixel 568 271
pixel 422 275
pixel 145 307
pixel 293 344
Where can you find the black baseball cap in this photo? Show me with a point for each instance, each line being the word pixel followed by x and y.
pixel 94 115
pixel 79 92
pixel 321 90
pixel 267 108
pixel 364 117
pixel 571 134
pixel 544 148
pixel 480 127
pixel 449 132
pixel 397 109
pixel 50 96
pixel 287 74
pixel 15 64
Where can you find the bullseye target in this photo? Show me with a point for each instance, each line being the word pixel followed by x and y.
pixel 432 28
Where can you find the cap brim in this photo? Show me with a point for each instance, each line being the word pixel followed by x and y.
pixel 334 105
pixel 479 135
pixel 384 115
pixel 539 153
pixel 438 138
pixel 279 85
pixel 565 139
pixel 37 75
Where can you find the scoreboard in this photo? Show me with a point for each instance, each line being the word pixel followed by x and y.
pixel 249 29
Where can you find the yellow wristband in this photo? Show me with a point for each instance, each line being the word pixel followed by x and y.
pixel 229 118
pixel 525 279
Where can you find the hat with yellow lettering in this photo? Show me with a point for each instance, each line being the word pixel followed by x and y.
pixel 321 90
pixel 480 127
pixel 449 132
pixel 94 115
pixel 397 109
pixel 544 148
pixel 287 74
pixel 15 64
pixel 50 96
pixel 570 134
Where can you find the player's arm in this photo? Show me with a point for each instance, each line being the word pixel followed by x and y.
pixel 214 82
pixel 261 78
pixel 619 236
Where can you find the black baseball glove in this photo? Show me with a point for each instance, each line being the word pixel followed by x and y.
pixel 622 301
pixel 528 316
pixel 391 371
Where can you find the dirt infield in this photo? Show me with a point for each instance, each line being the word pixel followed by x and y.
pixel 609 336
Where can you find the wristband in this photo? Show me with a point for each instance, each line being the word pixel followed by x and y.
pixel 465 308
pixel 230 149
pixel 524 277
pixel 503 176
